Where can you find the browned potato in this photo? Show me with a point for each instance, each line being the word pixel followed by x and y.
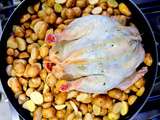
pixel 63 13
pixel 48 112
pixel 25 18
pixel 36 6
pixel 22 98
pixel 60 114
pixel 148 59
pixel 84 108
pixel 48 97
pixel 132 99
pixel 81 3
pixel 46 105
pixel 103 5
pixel 33 70
pixel 14 84
pixel 102 101
pixel 18 31
pixel 110 10
pixel 12 43
pixel 140 83
pixel 124 9
pixel 34 82
pixel 60 98
pixel 40 28
pixel 9 59
pixel 115 93
pixel 23 81
pixel 23 55
pixel 70 3
pixel 16 53
pixel 70 13
pixel 77 11
pixel 84 98
pixel 10 51
pixel 51 80
pixel 30 10
pixel 37 115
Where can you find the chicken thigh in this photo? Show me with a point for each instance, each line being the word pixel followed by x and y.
pixel 98 54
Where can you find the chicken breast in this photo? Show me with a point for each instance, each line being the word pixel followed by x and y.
pixel 98 54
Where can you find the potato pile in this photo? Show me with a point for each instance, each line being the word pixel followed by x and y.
pixel 36 89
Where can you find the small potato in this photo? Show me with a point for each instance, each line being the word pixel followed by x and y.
pixel 60 1
pixel 124 9
pixel 34 82
pixel 43 74
pixel 18 31
pixel 28 33
pixel 132 99
pixel 9 59
pixel 70 3
pixel 140 91
pixel 103 5
pixel 34 22
pixel 117 107
pixel 46 105
pixel 41 87
pixel 52 18
pixel 103 112
pixel 70 116
pixel 84 108
pixel 88 9
pixel 34 36
pixel 96 110
pixel 69 108
pixel 12 43
pixel 9 69
pixel 62 26
pixel 41 14
pixel 72 94
pixel 26 24
pixel 30 10
pixel 74 106
pixel 113 116
pixel 23 81
pixel 140 83
pixel 57 8
pixel 81 3
pixel 23 55
pixel 19 68
pixel 34 53
pixel 96 10
pixel 31 46
pixel 116 12
pixel 37 115
pixel 29 91
pixel 77 11
pixel 59 83
pixel 50 3
pixel 49 112
pixel 70 13
pixel 102 101
pixel 60 98
pixel 22 98
pixel 88 116
pixel 60 107
pixel 66 22
pixel 48 97
pixel 36 97
pixel 41 42
pixel 93 2
pixel 112 3
pixel 25 18
pixel 84 98
pixel 59 20
pixel 48 10
pixel 10 51
pixel 29 105
pixel 21 44
pixel 51 80
pixel 46 88
pixel 115 93
pixel 40 28
pixel 44 50
pixel 29 40
pixel 33 70
pixel 124 96
pixel 110 10
pixel 133 88
pixel 36 6
pixel 90 108
pixel 63 13
pixel 60 114
pixel 124 108
pixel 148 59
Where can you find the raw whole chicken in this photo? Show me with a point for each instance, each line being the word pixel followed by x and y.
pixel 97 53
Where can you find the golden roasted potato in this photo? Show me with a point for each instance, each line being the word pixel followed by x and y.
pixel 48 112
pixel 48 97
pixel 37 115
pixel 60 98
